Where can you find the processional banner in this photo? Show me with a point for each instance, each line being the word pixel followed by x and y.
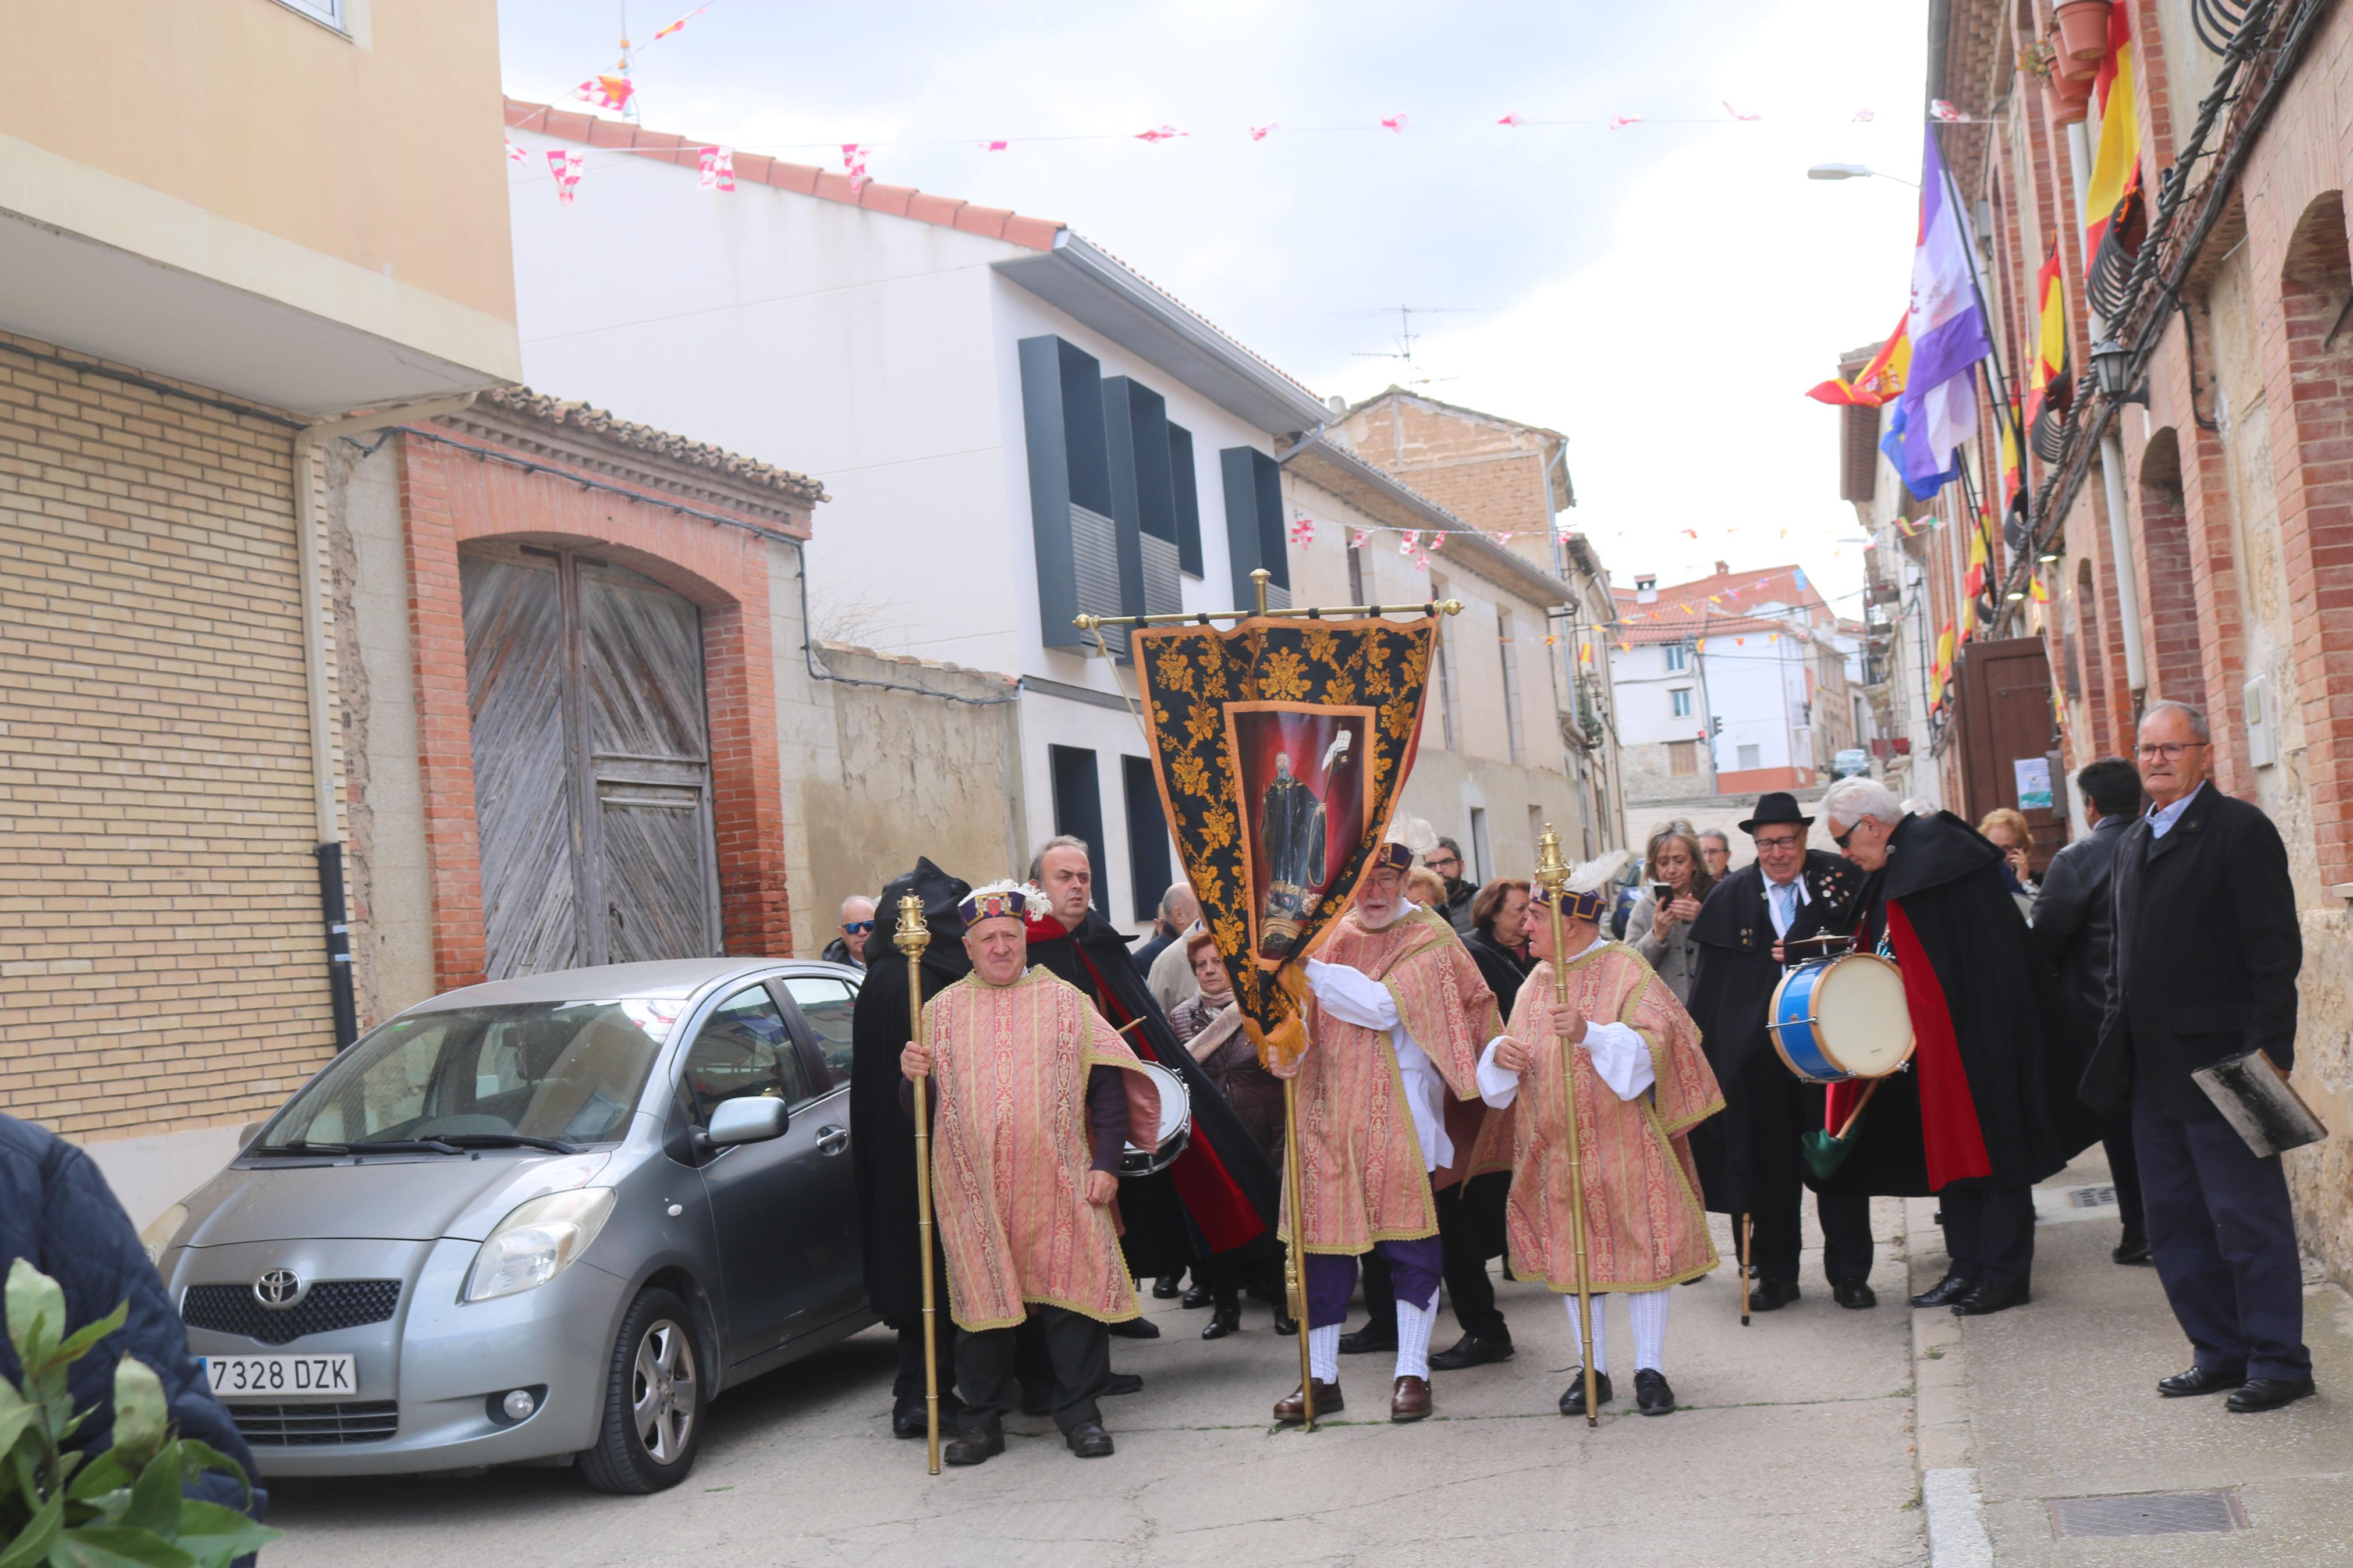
pixel 1279 746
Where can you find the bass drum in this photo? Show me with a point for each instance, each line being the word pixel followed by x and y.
pixel 1838 1018
pixel 1176 1126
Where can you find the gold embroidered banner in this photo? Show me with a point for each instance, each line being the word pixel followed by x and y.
pixel 1279 746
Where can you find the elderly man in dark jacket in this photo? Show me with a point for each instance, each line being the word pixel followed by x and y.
pixel 2207 951
pixel 58 1212
pixel 2073 926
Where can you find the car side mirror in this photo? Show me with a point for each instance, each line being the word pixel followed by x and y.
pixel 751 1118
pixel 249 1132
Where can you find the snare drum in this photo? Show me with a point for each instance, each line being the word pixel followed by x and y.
pixel 1838 1018
pixel 1176 1126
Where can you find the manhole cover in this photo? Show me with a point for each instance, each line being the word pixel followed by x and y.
pixel 2091 1198
pixel 2149 1514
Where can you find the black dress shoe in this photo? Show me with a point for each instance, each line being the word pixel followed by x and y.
pixel 1122 1382
pixel 1771 1295
pixel 972 1448
pixel 1945 1291
pixel 906 1426
pixel 2198 1380
pixel 1991 1298
pixel 1472 1350
pixel 1164 1289
pixel 1853 1294
pixel 2268 1394
pixel 1573 1402
pixel 1652 1395
pixel 1284 1323
pixel 1088 1440
pixel 1135 1329
pixel 2133 1248
pixel 1195 1298
pixel 1369 1339
pixel 1223 1321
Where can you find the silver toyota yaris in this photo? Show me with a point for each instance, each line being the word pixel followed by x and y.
pixel 538 1221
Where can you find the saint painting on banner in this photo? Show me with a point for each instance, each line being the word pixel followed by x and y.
pixel 1298 767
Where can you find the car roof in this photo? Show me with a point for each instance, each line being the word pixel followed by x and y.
pixel 672 977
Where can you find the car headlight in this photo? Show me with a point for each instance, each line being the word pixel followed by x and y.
pixel 157 1237
pixel 537 1242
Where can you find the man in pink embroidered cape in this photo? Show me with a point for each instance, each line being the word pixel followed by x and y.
pixel 1034 1100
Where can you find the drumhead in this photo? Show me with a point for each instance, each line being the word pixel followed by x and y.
pixel 1865 1026
pixel 1175 1104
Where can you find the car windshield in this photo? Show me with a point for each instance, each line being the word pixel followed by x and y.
pixel 565 1071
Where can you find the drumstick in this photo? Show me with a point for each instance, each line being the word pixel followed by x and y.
pixel 1856 1114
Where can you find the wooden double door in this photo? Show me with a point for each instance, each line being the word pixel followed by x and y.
pixel 592 762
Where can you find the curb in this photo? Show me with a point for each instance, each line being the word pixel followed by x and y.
pixel 1942 1438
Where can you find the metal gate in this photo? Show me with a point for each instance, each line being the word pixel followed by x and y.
pixel 592 762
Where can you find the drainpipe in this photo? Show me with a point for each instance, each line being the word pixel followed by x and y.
pixel 2112 467
pixel 330 848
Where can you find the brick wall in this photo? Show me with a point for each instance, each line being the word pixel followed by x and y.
pixel 160 961
pixel 1489 472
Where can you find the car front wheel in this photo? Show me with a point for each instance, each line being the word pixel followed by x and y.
pixel 654 1400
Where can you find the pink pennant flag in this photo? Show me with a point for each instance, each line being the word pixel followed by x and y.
pixel 718 168
pixel 515 153
pixel 611 90
pixel 1865 116
pixel 1436 540
pixel 1359 538
pixel 1620 121
pixel 1302 529
pixel 1513 119
pixel 1940 109
pixel 565 166
pixel 1161 133
pixel 1421 560
pixel 1691 534
pixel 682 22
pixel 1258 133
pixel 1407 541
pixel 853 163
pixel 1393 122
pixel 993 146
pixel 1735 113
pixel 1504 538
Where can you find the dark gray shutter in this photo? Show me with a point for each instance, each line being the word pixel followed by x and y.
pixel 1184 484
pixel 1254 526
pixel 1090 559
pixel 1135 429
pixel 1148 873
pixel 1078 810
pixel 1858 452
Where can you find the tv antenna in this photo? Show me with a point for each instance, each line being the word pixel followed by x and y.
pixel 1406 337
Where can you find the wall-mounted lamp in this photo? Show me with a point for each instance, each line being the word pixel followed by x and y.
pixel 2112 369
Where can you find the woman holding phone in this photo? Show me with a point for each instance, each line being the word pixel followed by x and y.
pixel 1659 925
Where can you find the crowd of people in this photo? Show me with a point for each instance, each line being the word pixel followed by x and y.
pixel 1488 1073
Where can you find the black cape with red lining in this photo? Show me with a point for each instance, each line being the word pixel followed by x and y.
pixel 1988 1100
pixel 1223 1180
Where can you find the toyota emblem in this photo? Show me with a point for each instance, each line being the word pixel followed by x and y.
pixel 280 1289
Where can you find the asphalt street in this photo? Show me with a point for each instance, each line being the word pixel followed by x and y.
pixel 1793 1446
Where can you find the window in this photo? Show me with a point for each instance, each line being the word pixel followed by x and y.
pixel 330 12
pixel 1679 701
pixel 1479 859
pixel 1356 575
pixel 1143 494
pixel 1445 669
pixel 745 1049
pixel 1078 810
pixel 1148 873
pixel 1751 757
pixel 1511 657
pixel 1682 758
pixel 1187 485
pixel 1084 547
pixel 826 1005
pixel 1678 657
pixel 1254 531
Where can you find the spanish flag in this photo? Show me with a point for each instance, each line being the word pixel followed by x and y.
pixel 2047 366
pixel 1881 381
pixel 2115 167
pixel 1974 583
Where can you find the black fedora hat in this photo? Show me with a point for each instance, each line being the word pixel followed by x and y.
pixel 1780 806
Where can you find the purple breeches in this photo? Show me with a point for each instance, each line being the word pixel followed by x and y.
pixel 1415 1265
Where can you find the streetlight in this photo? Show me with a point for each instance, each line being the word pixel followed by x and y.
pixel 2112 368
pixel 1854 171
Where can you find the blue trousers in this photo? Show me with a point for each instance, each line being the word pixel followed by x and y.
pixel 2223 1239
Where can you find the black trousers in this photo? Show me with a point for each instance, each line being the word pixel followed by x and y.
pixel 1077 1346
pixel 2223 1239
pixel 1779 1235
pixel 907 1389
pixel 1469 1289
pixel 2124 1169
pixel 1989 1233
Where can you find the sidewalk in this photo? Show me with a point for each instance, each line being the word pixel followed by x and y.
pixel 2042 1439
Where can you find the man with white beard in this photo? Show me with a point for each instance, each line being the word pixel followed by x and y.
pixel 1397 1021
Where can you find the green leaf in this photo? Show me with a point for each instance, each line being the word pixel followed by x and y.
pixel 200 1459
pixel 116 1546
pixel 34 1544
pixel 89 1334
pixel 103 1473
pixel 141 1422
pixel 155 1500
pixel 36 1315
pixel 16 1414
pixel 217 1536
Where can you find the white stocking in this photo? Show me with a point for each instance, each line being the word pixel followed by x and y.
pixel 1413 1324
pixel 1648 1309
pixel 1324 1353
pixel 1600 1319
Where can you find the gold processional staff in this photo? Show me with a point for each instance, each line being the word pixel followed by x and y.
pixel 913 937
pixel 1552 874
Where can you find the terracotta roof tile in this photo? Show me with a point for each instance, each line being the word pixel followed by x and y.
pixel 892 199
pixel 645 437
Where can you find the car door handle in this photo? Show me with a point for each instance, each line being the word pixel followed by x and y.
pixel 832 1139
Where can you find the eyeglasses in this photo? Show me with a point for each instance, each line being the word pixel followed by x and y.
pixel 1443 863
pixel 1776 842
pixel 2170 750
pixel 858 928
pixel 1839 838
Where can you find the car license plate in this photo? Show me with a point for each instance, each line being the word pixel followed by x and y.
pixel 281 1376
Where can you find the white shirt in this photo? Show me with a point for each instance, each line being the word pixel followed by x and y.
pixel 1356 997
pixel 2162 819
pixel 1620 1059
pixel 1786 917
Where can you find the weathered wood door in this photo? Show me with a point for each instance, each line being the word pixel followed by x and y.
pixel 592 762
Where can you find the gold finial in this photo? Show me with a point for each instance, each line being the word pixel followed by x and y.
pixel 1453 607
pixel 1085 623
pixel 1260 578
pixel 914 934
pixel 1551 869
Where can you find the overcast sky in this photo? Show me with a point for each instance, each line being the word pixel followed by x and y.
pixel 1662 293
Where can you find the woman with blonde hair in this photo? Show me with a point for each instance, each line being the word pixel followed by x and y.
pixel 1663 935
pixel 2007 830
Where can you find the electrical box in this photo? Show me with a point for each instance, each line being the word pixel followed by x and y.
pixel 2262 721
